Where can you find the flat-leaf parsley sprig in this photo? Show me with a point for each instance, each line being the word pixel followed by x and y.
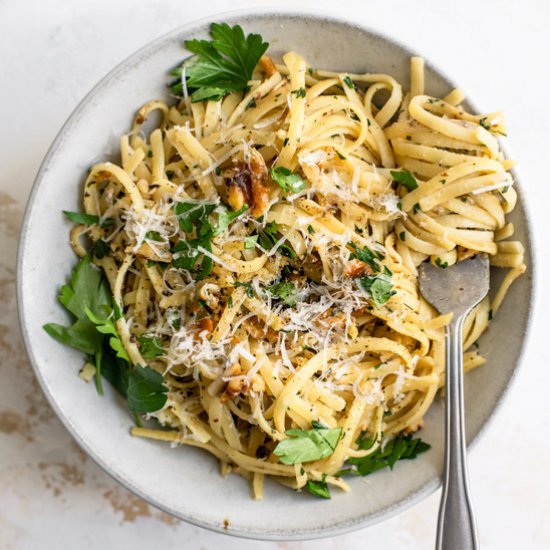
pixel 88 299
pixel 219 66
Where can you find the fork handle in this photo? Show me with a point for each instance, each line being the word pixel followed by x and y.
pixel 456 529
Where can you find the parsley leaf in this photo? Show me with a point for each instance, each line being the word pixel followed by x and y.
pixel 379 288
pixel 441 264
pixel 349 82
pixel 222 65
pixel 225 217
pixel 286 291
pixel 89 300
pixel 88 219
pixel 318 488
pixel 150 346
pixel 146 391
pixel 400 448
pixel 268 237
pixel 365 254
pixel 404 177
pixel 87 290
pixel 286 180
pixel 250 242
pixel 195 217
pixel 107 326
pixel 308 445
pixel 153 236
pixel 189 214
pixel 192 259
pixel 101 249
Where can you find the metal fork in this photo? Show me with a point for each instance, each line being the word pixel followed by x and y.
pixel 455 289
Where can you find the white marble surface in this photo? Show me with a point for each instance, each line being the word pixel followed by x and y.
pixel 51 53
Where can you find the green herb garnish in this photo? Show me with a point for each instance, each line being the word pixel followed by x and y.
pixel 400 448
pixel 146 391
pixel 89 301
pixel 404 177
pixel 250 242
pixel 269 236
pixel 379 287
pixel 219 66
pixel 483 122
pixel 286 291
pixel 153 236
pixel 300 92
pixel 318 488
pixel 88 219
pixel 194 218
pixel 348 82
pixel 150 346
pixel 286 180
pixel 308 445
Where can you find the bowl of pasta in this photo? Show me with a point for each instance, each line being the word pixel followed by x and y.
pixel 235 274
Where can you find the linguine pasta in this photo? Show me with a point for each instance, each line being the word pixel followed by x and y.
pixel 300 307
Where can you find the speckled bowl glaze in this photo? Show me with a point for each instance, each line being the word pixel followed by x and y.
pixel 184 481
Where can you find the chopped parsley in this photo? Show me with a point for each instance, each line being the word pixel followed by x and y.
pixel 250 242
pixel 286 180
pixel 88 219
pixel 441 264
pixel 269 236
pixel 308 445
pixel 378 285
pixel 194 218
pixel 483 122
pixel 286 291
pixel 101 249
pixel 404 177
pixel 153 236
pixel 318 488
pixel 348 82
pixel 150 346
pixel 300 92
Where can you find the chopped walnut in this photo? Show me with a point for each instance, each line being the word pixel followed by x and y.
pixel 204 325
pixel 246 184
pixel 239 383
pixel 355 268
pixel 257 330
pixel 333 318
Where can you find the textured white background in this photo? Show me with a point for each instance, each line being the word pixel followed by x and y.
pixel 51 53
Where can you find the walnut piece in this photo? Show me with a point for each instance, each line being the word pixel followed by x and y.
pixel 246 184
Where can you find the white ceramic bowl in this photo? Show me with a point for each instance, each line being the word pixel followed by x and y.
pixel 184 481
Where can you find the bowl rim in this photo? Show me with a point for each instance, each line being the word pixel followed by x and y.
pixel 332 530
